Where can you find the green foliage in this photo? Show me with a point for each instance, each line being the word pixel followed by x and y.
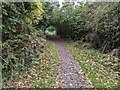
pixel 102 19
pixel 19 42
pixel 51 29
pixel 97 22
pixel 22 45
pixel 41 73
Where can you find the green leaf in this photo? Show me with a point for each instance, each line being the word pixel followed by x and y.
pixel 35 62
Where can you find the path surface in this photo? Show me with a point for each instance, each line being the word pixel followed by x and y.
pixel 70 74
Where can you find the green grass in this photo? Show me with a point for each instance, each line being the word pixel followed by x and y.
pixel 89 60
pixel 50 68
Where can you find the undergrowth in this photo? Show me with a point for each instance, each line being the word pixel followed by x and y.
pixel 40 74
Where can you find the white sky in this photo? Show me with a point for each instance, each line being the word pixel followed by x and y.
pixel 60 1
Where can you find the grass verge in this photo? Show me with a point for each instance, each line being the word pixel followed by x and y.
pixel 41 73
pixel 89 60
pixel 49 67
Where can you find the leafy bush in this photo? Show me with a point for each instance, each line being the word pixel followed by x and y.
pixel 20 40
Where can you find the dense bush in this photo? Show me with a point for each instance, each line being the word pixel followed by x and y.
pixel 21 42
pixel 102 19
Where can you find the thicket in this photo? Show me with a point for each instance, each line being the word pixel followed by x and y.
pixel 94 23
pixel 103 21
pixel 22 43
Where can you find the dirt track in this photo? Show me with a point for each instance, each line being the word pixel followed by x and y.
pixel 70 74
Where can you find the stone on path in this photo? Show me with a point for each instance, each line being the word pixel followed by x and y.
pixel 70 74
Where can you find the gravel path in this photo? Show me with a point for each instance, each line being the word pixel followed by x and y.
pixel 70 74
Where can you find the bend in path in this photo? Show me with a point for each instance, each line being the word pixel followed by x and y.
pixel 70 74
